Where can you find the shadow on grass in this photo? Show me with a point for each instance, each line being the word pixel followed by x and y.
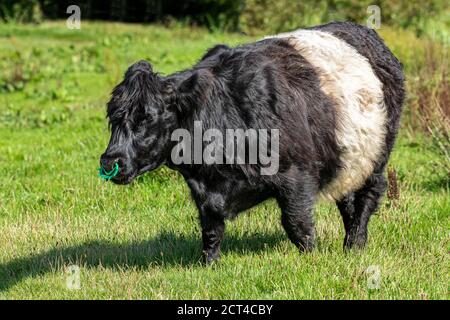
pixel 167 249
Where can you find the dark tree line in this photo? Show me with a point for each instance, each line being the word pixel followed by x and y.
pixel 144 10
pixel 235 15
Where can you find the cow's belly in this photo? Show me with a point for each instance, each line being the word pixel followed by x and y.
pixel 347 78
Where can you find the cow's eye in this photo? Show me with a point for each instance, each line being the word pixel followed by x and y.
pixel 138 126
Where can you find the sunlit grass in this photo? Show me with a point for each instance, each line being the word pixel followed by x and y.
pixel 143 241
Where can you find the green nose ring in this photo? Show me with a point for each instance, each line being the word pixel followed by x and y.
pixel 102 173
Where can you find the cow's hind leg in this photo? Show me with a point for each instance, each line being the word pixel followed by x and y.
pixel 346 207
pixel 357 207
pixel 296 202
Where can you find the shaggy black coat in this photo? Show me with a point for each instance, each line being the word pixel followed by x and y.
pixel 263 85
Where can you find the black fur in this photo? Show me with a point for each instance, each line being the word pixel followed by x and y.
pixel 264 85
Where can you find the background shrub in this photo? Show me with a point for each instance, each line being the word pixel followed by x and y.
pixel 21 11
pixel 429 18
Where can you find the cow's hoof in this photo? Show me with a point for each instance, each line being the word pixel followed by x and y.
pixel 210 258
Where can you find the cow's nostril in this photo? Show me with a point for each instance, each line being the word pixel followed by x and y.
pixel 108 168
pixel 108 163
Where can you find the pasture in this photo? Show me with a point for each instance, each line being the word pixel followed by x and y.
pixel 143 240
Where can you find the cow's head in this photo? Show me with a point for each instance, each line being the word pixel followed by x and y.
pixel 143 111
pixel 141 123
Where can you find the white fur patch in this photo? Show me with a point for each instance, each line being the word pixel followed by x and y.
pixel 347 77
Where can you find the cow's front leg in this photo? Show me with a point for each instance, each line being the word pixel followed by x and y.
pixel 213 228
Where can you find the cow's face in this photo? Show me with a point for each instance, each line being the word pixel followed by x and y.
pixel 141 124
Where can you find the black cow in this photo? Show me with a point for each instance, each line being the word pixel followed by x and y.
pixel 334 95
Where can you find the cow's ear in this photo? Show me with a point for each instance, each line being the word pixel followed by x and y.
pixel 215 50
pixel 199 81
pixel 188 86
pixel 191 92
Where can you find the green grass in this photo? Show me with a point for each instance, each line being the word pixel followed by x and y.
pixel 143 240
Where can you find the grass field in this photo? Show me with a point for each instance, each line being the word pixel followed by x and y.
pixel 143 240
